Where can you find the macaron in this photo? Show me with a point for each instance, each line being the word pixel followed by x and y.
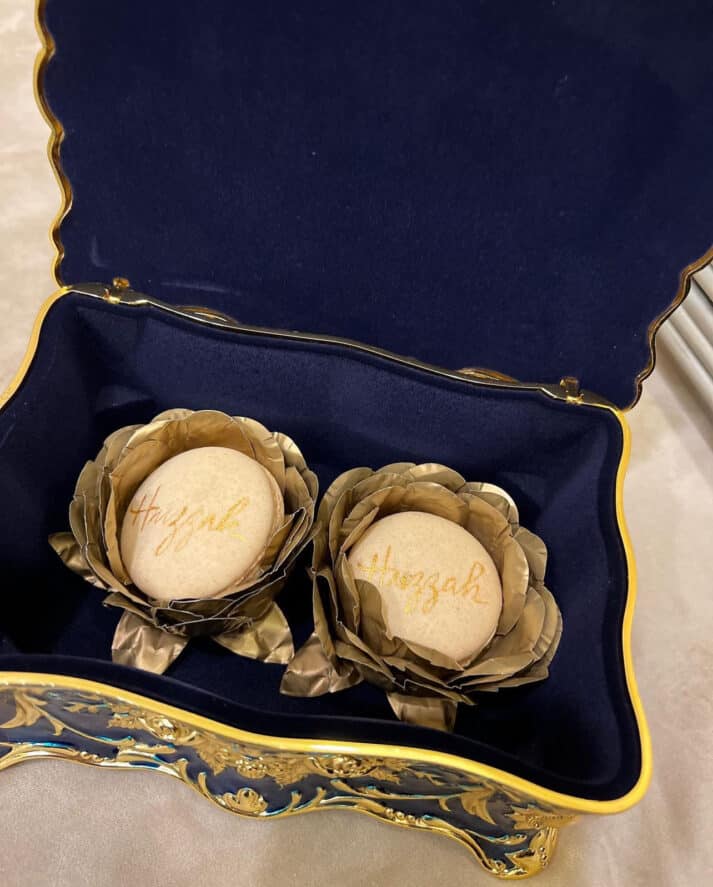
pixel 200 523
pixel 438 585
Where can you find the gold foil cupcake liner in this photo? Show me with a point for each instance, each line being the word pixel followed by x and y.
pixel 244 616
pixel 350 642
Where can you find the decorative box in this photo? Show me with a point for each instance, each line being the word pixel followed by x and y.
pixel 502 186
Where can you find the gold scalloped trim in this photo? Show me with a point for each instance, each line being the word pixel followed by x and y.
pixel 45 54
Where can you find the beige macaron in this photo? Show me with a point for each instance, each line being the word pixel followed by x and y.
pixel 439 586
pixel 200 523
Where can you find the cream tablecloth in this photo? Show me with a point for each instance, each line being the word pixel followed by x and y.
pixel 61 824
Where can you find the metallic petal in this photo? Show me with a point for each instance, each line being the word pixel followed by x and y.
pixel 267 450
pixel 379 480
pixel 172 415
pixel 355 534
pixel 268 639
pixel 493 531
pixel 66 546
pixel 493 671
pixel 336 519
pixel 434 473
pixel 377 669
pixel 346 597
pixel 515 578
pixel 497 497
pixel 345 482
pixel 141 645
pixel 396 468
pixel 310 673
pixel 437 659
pixel 435 499
pixel 382 501
pixel 274 546
pixel 535 551
pixel 373 628
pixel 296 491
pixel 439 714
pixel 515 650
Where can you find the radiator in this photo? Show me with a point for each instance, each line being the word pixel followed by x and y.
pixel 688 337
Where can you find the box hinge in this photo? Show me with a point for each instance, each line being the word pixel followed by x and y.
pixel 571 389
pixel 121 293
pixel 114 292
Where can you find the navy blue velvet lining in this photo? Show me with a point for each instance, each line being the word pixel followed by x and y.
pixel 514 185
pixel 101 366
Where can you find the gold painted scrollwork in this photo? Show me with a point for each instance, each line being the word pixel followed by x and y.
pixel 510 835
pixel 532 817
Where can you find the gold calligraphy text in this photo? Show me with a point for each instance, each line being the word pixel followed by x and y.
pixel 183 523
pixel 423 591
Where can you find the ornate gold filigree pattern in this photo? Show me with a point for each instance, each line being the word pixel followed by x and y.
pixel 511 835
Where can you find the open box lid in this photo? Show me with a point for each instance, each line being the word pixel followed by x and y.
pixel 511 186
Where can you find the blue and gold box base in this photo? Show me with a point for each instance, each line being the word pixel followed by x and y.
pixel 509 834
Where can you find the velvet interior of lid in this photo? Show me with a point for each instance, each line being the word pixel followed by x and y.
pixel 102 366
pixel 511 185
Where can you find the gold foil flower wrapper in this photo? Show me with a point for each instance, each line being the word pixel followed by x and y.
pixel 351 643
pixel 243 617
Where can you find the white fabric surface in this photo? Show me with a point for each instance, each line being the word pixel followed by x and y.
pixel 61 824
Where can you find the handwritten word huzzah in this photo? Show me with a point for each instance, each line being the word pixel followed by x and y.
pixel 182 523
pixel 422 591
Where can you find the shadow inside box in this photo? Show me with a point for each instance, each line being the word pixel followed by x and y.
pixel 45 609
pixel 116 406
pixel 68 622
